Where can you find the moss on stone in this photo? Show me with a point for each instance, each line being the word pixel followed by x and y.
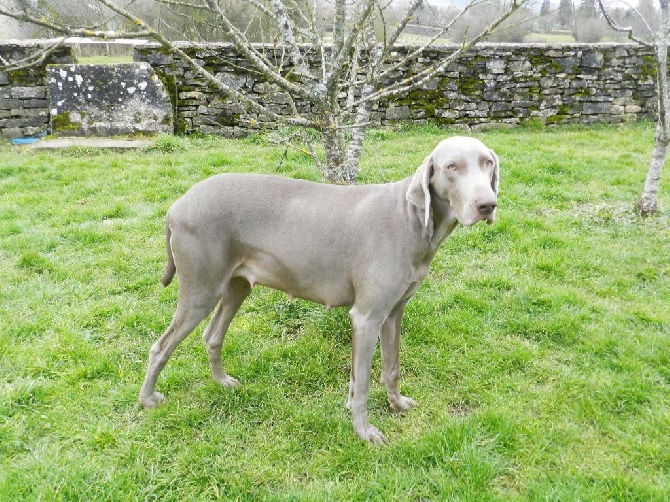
pixel 23 76
pixel 468 86
pixel 63 123
pixel 648 67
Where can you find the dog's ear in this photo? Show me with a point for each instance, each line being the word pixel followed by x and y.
pixel 495 182
pixel 418 193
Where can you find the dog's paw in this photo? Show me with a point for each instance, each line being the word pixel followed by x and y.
pixel 228 382
pixel 371 434
pixel 402 403
pixel 152 401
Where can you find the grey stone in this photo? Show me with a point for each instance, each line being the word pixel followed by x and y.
pixel 37 92
pixel 595 108
pixel 107 100
pixel 592 59
pixel 397 112
pixel 23 122
pixel 11 132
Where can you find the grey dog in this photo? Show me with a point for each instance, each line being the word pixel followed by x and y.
pixel 367 247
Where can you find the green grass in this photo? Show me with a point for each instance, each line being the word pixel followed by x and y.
pixel 538 347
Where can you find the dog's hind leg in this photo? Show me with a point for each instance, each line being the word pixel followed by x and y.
pixel 188 315
pixel 238 289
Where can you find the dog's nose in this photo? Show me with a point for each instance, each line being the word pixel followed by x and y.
pixel 486 207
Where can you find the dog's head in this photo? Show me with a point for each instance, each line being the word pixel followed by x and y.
pixel 463 172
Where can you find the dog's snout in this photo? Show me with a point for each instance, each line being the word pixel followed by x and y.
pixel 486 207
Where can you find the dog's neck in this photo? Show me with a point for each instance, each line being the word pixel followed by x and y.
pixel 444 218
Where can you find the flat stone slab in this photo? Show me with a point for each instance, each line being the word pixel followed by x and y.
pixel 106 143
pixel 107 100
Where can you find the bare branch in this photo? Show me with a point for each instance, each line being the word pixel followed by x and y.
pixel 339 25
pixel 179 3
pixel 32 60
pixel 421 77
pixel 409 14
pixel 413 54
pixel 68 30
pixel 376 54
pixel 338 59
pixel 257 59
pixel 285 26
pixel 629 30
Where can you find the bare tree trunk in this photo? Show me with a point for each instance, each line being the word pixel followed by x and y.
pixel 648 201
pixel 375 54
pixel 647 204
pixel 335 143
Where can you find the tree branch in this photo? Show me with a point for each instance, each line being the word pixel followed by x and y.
pixel 23 16
pixel 257 59
pixel 179 3
pixel 412 55
pixel 285 26
pixel 32 60
pixel 415 81
pixel 338 59
pixel 629 30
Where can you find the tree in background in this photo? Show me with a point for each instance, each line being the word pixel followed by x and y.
pixel 657 40
pixel 354 41
pixel 589 25
pixel 545 10
pixel 514 29
pixel 566 15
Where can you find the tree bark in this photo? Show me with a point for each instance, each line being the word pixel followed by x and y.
pixel 334 143
pixel 647 204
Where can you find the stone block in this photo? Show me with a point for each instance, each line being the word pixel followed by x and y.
pixel 192 96
pixel 23 122
pixel 11 132
pixel 107 100
pixel 29 112
pixel 596 108
pixel 592 59
pixel 35 103
pixel 496 66
pixel 633 109
pixel 37 92
pixel 8 104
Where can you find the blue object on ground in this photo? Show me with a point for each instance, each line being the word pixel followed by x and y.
pixel 24 141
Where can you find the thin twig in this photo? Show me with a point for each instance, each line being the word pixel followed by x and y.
pixel 33 59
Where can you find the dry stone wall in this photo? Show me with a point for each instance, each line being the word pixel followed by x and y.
pixel 492 84
pixel 24 107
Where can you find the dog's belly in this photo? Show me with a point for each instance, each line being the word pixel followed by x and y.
pixel 310 281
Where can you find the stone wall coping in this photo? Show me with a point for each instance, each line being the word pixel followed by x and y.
pixel 446 46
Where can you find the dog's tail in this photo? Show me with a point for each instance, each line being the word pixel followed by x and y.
pixel 170 267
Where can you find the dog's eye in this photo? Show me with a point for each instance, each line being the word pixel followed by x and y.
pixel 489 163
pixel 451 167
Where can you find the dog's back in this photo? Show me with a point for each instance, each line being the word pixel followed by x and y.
pixel 294 235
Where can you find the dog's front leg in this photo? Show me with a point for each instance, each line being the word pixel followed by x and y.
pixel 365 331
pixel 390 344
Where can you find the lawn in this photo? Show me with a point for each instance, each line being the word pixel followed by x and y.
pixel 538 348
